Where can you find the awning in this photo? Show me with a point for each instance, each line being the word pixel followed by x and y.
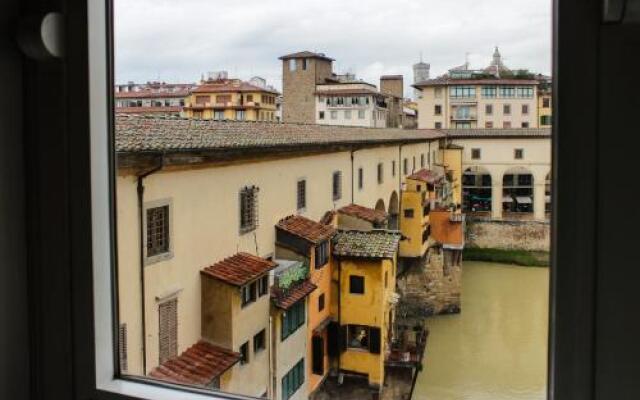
pixel 524 200
pixel 507 199
pixel 547 199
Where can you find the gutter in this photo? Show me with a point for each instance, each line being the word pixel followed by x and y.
pixel 140 190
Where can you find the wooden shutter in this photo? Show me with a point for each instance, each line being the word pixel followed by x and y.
pixel 318 355
pixel 168 330
pixel 374 340
pixel 333 336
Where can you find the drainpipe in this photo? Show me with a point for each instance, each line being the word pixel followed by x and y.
pixel 400 172
pixel 352 179
pixel 339 312
pixel 141 233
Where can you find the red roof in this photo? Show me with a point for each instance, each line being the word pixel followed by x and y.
pixel 365 213
pixel 426 175
pixel 148 110
pixel 354 91
pixel 285 299
pixel 449 81
pixel 305 228
pixel 198 365
pixel 226 86
pixel 239 269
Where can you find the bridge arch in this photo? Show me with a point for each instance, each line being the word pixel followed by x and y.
pixel 477 190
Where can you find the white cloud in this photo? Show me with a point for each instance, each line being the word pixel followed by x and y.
pixel 180 40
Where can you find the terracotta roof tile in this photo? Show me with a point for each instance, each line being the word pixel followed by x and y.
pixel 285 299
pixel 239 269
pixel 373 244
pixel 365 213
pixel 497 133
pixel 136 134
pixel 426 175
pixel 327 218
pixel 149 110
pixel 306 54
pixel 228 86
pixel 152 94
pixel 198 365
pixel 453 81
pixel 307 229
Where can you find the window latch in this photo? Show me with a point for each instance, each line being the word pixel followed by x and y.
pixel 621 11
pixel 41 36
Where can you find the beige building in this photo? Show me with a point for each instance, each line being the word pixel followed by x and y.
pixel 171 190
pixel 351 104
pixel 494 97
pixel 506 172
pixel 152 98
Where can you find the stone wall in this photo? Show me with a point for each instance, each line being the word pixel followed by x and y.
pixel 431 285
pixel 508 235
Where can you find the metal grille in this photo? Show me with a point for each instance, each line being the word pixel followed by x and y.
pixel 337 185
pixel 168 330
pixel 122 347
pixel 302 194
pixel 248 209
pixel 157 230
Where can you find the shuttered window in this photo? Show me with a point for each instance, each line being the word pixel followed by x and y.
pixel 293 319
pixel 292 381
pixel 380 173
pixel 322 254
pixel 360 178
pixel 168 330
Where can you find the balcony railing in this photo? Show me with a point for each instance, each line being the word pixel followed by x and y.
pixel 470 117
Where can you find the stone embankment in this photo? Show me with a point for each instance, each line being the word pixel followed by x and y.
pixel 508 235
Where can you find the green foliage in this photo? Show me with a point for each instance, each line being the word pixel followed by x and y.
pixel 293 275
pixel 518 257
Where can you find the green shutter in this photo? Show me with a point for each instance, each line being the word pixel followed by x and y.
pixel 374 340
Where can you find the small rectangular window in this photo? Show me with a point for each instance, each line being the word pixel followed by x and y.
pixel 292 319
pixel 393 168
pixel 301 195
pixel 337 185
pixel 168 330
pixel 506 124
pixel 356 284
pixel 488 124
pixel 475 154
pixel 546 102
pixel 321 302
pixel 422 160
pixel 157 230
pixel 321 115
pixel 437 109
pixel 408 213
pixel 525 109
pixel 525 125
pixel 380 173
pixel 360 114
pixel 405 166
pixel 263 286
pixel 334 115
pixel 244 353
pixel 488 109
pixel 519 154
pixel 292 64
pixel 248 209
pixel 322 254
pixel 506 109
pixel 304 63
pixel 438 125
pixel 347 114
pixel 259 342
pixel 360 178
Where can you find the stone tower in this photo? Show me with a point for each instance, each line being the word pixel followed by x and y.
pixel 301 72
pixel 420 74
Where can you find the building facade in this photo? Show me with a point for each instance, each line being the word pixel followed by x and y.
pixel 154 98
pixel 351 104
pixel 493 97
pixel 231 100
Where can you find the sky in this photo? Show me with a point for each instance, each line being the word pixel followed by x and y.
pixel 178 41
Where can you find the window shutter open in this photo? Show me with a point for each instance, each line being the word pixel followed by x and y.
pixel 374 340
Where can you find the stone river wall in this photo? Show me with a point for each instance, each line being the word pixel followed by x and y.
pixel 508 235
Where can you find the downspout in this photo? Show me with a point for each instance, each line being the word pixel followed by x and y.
pixel 400 172
pixel 339 312
pixel 352 179
pixel 141 233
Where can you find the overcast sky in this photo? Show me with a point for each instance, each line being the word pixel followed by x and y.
pixel 178 41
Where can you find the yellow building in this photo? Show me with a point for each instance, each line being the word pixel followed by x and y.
pixel 367 264
pixel 231 99
pixel 451 156
pixel 545 106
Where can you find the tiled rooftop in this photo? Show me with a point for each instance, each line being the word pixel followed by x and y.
pixel 228 86
pixel 373 244
pixel 365 213
pixel 239 269
pixel 135 134
pixel 426 175
pixel 306 228
pixel 452 81
pixel 284 299
pixel 151 94
pixel 306 54
pixel 149 110
pixel 199 365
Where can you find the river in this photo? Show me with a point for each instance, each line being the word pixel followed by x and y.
pixel 496 349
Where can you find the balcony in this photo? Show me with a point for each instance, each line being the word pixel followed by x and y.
pixel 467 117
pixel 407 349
pixel 291 283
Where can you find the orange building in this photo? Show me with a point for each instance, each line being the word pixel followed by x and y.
pixel 299 237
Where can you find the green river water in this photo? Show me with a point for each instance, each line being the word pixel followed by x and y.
pixel 496 349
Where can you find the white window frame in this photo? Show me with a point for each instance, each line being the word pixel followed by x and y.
pixel 104 322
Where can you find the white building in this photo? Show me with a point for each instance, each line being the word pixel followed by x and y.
pixel 351 104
